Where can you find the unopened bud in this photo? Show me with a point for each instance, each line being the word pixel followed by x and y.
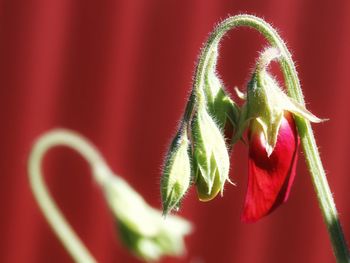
pixel 176 176
pixel 266 101
pixel 211 159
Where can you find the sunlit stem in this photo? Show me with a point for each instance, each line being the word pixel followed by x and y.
pixel 58 223
pixel 312 156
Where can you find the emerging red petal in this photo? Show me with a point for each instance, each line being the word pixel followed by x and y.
pixel 270 178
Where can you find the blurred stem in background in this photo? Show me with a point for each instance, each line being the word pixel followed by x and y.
pixel 142 228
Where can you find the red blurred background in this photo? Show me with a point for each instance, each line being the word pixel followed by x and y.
pixel 119 72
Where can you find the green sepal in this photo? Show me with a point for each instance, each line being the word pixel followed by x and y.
pixel 204 193
pixel 211 159
pixel 266 102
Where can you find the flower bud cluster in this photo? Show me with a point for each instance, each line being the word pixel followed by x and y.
pixel 200 150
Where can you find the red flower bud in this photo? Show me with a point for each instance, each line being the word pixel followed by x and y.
pixel 270 177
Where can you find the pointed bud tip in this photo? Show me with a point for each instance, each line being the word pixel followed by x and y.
pixel 269 150
pixel 304 113
pixel 318 120
pixel 172 201
pixel 240 94
pixel 230 182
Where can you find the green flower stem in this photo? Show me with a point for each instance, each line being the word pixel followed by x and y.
pixel 312 156
pixel 58 223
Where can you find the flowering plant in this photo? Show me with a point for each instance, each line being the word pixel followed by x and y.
pixel 276 124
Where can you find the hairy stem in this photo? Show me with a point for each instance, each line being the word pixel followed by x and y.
pixel 312 156
pixel 58 223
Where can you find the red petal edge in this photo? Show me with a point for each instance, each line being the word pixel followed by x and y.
pixel 270 178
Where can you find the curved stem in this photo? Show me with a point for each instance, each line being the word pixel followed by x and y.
pixel 52 213
pixel 313 160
